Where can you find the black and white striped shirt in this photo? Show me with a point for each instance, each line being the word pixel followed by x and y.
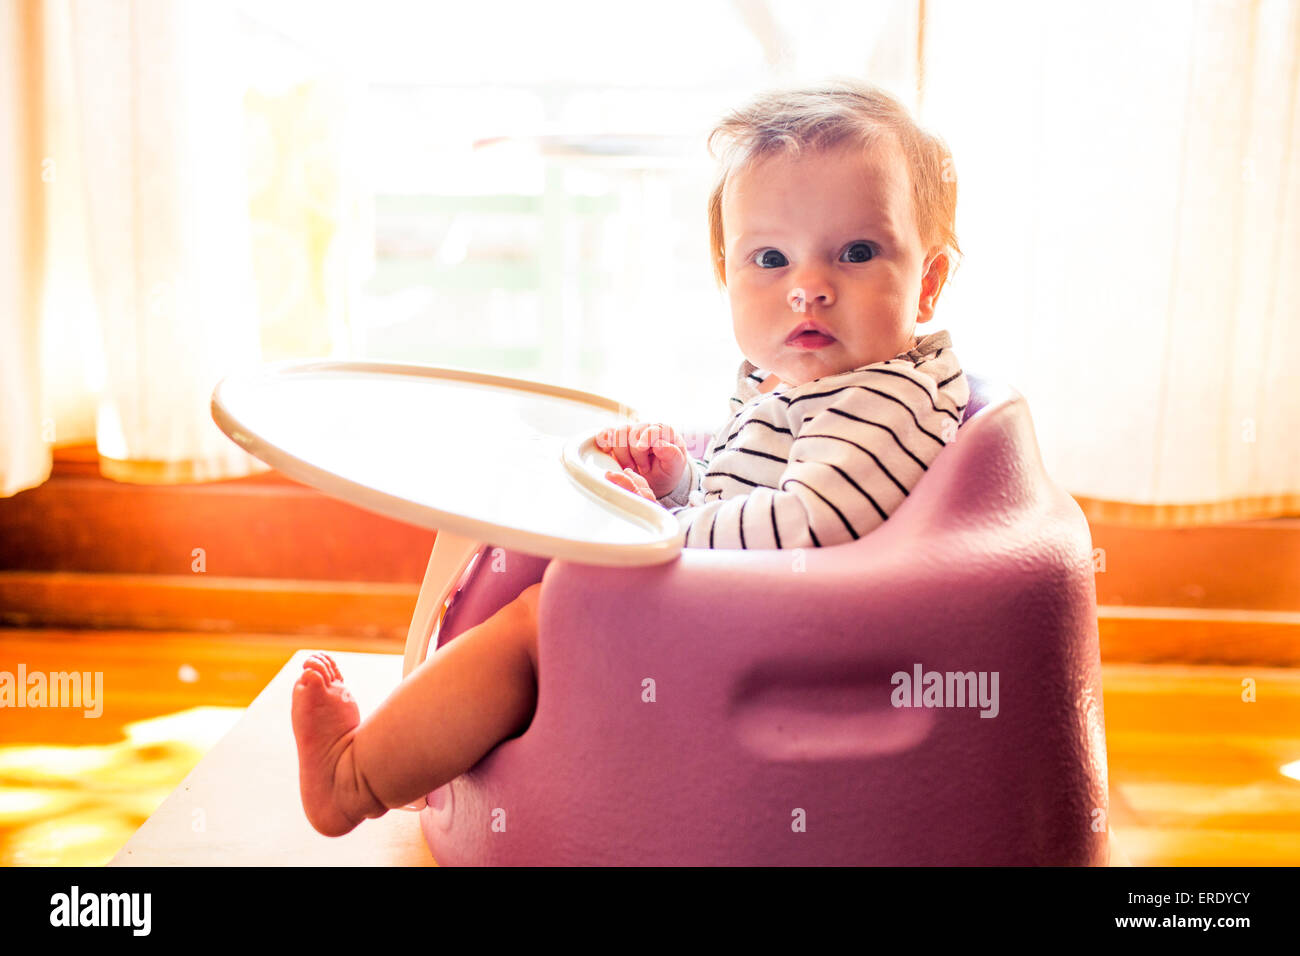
pixel 825 462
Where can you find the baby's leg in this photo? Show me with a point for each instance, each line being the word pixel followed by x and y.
pixel 442 719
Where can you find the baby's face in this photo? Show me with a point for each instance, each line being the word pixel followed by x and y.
pixel 828 238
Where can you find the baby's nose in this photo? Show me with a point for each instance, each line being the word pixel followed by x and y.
pixel 797 300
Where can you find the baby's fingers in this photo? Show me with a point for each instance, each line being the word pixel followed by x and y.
pixel 631 481
pixel 652 442
pixel 670 456
pixel 614 441
pixel 643 447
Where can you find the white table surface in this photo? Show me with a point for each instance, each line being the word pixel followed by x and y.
pixel 247 790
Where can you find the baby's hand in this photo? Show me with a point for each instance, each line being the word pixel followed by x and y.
pixel 653 453
pixel 633 482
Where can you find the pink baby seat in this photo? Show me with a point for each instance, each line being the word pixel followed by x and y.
pixel 734 707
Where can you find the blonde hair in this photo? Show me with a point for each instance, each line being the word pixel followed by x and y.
pixel 788 121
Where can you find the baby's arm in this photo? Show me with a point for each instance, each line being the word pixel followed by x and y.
pixel 656 463
pixel 856 455
pixel 691 481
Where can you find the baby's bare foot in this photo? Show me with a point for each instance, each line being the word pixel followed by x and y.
pixel 325 718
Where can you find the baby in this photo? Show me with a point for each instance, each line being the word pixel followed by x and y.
pixel 832 227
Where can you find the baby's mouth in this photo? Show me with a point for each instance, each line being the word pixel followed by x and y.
pixel 809 335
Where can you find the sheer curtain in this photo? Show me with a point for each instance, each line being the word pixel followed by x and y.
pixel 178 226
pixel 1130 211
pixel 24 455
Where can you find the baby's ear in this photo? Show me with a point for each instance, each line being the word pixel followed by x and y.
pixel 932 283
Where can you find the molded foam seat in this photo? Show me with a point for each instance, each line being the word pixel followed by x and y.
pixel 773 737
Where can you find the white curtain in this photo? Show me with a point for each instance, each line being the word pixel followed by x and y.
pixel 24 455
pixel 167 215
pixel 185 225
pixel 1129 205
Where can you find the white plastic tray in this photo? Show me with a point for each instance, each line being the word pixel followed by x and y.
pixel 481 457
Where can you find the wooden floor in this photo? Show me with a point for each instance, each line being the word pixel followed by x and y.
pixel 73 788
pixel 1195 771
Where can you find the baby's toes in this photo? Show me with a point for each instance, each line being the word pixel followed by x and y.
pixel 315 694
pixel 310 685
pixel 325 665
pixel 314 665
pixel 335 673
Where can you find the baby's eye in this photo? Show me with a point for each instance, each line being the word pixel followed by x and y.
pixel 860 252
pixel 765 263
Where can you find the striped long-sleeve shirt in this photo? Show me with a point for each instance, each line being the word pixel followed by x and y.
pixel 825 462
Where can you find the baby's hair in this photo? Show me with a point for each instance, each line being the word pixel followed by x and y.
pixel 787 121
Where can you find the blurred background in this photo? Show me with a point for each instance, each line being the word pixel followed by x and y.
pixel 192 189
